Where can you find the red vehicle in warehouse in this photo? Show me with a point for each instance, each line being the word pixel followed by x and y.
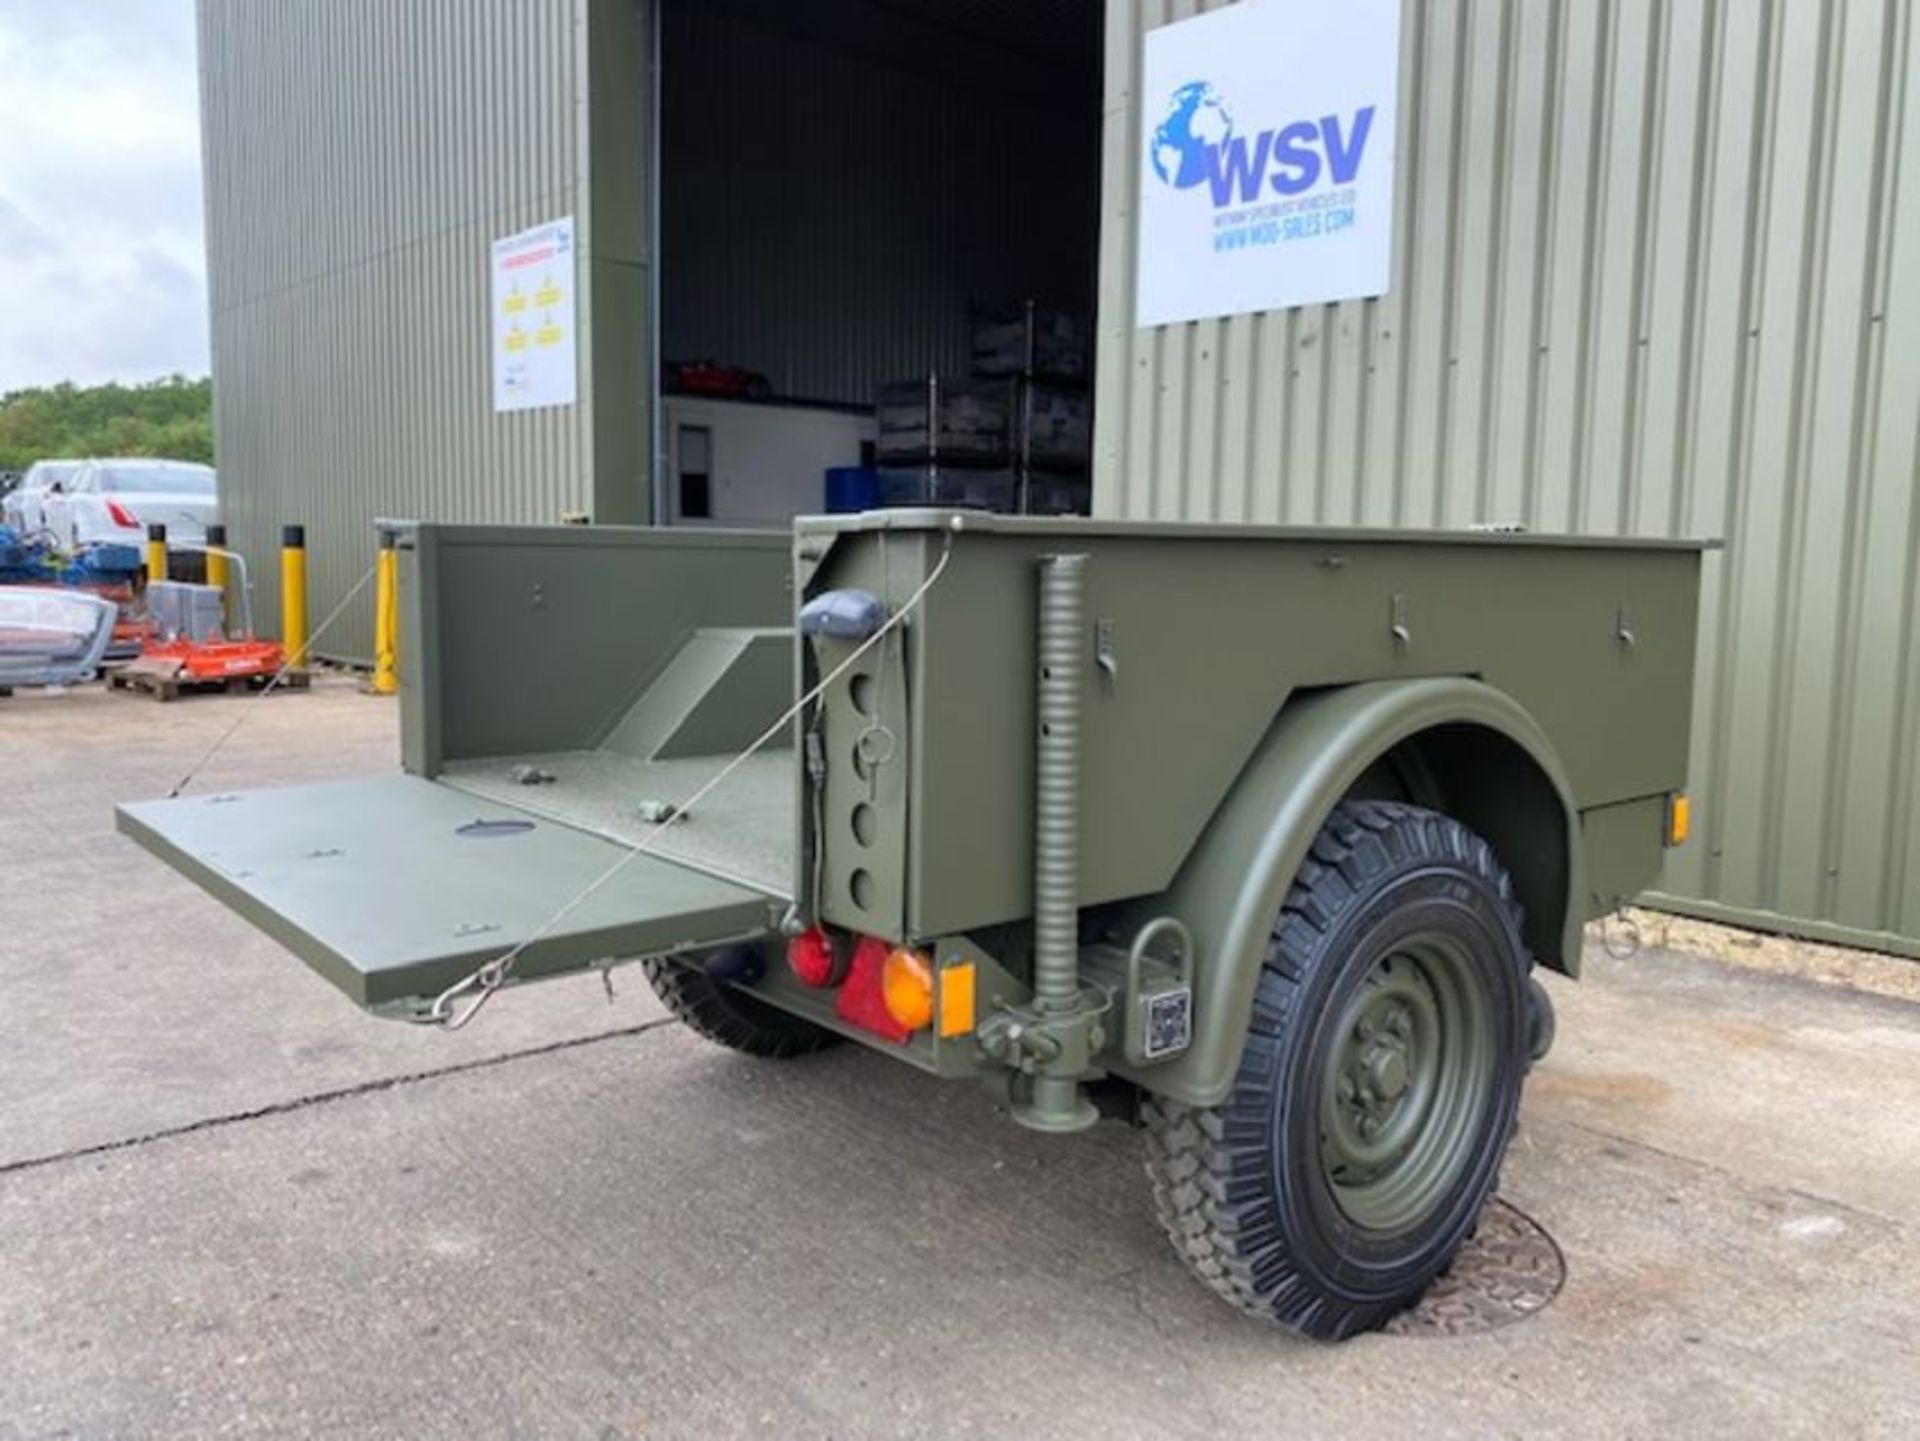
pixel 715 381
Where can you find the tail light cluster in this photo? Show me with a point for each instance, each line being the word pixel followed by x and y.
pixel 815 959
pixel 888 990
pixel 121 516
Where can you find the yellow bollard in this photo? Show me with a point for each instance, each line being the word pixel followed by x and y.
pixel 386 617
pixel 217 567
pixel 156 552
pixel 293 595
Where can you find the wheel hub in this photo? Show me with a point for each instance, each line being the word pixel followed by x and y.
pixel 1406 1077
pixel 1386 1073
pixel 1377 1061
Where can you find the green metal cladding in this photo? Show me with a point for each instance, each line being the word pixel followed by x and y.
pixel 1657 273
pixel 360 159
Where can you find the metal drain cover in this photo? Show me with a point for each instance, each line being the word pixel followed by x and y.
pixel 1509 1271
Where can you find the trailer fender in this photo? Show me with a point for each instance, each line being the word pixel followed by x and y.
pixel 1230 887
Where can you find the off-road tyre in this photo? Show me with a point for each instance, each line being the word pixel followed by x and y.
pixel 728 1016
pixel 1262 1195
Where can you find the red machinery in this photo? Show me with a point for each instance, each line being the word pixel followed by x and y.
pixel 188 641
pixel 213 659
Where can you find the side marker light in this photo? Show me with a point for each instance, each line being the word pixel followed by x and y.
pixel 1679 819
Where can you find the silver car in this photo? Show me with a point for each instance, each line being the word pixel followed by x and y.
pixel 24 507
pixel 116 500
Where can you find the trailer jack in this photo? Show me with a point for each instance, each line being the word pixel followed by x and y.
pixel 1055 1048
pixel 1053 1039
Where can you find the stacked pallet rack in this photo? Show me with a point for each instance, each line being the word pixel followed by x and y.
pixel 1013 436
pixel 947 441
pixel 1045 352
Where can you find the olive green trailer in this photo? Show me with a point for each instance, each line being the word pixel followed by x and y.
pixel 1252 835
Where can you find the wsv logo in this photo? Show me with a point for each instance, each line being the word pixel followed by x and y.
pixel 1195 145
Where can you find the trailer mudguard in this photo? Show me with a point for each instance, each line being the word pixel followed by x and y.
pixel 1230 887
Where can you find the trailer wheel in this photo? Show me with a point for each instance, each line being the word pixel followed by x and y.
pixel 728 1016
pixel 1378 1088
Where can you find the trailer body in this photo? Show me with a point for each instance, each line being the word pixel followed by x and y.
pixel 1074 774
pixel 1239 681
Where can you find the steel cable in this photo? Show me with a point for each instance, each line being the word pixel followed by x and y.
pixel 287 663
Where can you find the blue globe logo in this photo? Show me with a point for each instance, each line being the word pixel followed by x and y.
pixel 1196 120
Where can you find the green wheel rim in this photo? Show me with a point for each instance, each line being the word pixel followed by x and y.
pixel 1406 1084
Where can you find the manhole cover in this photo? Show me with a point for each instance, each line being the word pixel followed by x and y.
pixel 1509 1271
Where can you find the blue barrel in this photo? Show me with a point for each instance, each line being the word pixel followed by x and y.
pixel 852 488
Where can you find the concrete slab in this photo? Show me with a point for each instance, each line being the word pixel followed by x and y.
pixel 1782 1083
pixel 131 1002
pixel 645 1236
pixel 311 1223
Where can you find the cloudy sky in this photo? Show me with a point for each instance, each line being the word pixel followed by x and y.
pixel 100 223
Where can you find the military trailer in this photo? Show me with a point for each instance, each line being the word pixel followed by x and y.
pixel 1252 836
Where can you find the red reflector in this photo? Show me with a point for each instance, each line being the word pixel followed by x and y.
pixel 862 1000
pixel 811 958
pixel 122 516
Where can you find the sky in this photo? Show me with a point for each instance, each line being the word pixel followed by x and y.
pixel 101 242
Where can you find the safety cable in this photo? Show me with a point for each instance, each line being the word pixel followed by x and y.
pixel 492 975
pixel 287 663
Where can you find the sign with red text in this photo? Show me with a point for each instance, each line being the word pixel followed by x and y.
pixel 535 355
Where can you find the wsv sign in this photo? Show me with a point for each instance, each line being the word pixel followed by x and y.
pixel 1291 160
pixel 1195 145
pixel 1267 175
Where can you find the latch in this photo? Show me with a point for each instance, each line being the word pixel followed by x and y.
pixel 1105 655
pixel 1397 622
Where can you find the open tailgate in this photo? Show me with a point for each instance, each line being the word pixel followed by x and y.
pixel 386 887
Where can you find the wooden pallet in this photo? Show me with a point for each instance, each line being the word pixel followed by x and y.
pixel 167 681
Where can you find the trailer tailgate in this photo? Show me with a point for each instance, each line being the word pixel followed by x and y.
pixel 387 887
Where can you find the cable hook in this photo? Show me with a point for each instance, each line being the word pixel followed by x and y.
pixel 1618 919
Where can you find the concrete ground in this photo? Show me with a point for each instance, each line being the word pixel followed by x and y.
pixel 231 1205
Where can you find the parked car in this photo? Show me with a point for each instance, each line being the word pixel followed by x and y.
pixel 24 507
pixel 116 500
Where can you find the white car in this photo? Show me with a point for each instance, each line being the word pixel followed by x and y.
pixel 116 500
pixel 24 507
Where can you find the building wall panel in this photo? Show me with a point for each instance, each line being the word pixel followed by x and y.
pixel 1657 272
pixel 361 156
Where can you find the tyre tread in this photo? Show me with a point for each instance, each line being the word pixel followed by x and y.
pixel 1206 1164
pixel 713 1010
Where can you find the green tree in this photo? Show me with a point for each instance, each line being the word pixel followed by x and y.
pixel 171 418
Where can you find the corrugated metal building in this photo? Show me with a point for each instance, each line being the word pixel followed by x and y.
pixel 1657 272
pixel 839 195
